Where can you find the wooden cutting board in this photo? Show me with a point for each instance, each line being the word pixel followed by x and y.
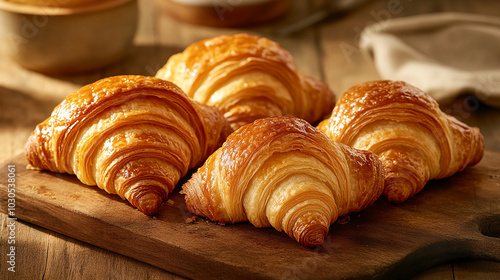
pixel 457 217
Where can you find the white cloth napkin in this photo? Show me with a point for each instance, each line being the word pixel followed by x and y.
pixel 444 54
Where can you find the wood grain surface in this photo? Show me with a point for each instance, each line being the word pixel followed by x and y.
pixel 326 51
pixel 451 219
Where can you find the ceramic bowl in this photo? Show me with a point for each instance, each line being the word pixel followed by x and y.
pixel 57 39
pixel 235 13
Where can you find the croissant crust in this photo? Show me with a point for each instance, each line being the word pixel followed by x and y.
pixel 283 172
pixel 247 77
pixel 134 136
pixel 405 127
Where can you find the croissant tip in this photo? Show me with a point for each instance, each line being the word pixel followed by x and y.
pixel 395 194
pixel 313 235
pixel 149 203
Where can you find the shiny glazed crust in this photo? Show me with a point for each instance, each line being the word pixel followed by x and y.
pixel 405 127
pixel 247 77
pixel 134 136
pixel 283 172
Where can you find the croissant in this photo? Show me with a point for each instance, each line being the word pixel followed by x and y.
pixel 405 127
pixel 133 136
pixel 283 172
pixel 247 77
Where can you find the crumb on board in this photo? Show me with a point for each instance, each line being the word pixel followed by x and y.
pixel 191 220
pixel 31 167
pixel 343 219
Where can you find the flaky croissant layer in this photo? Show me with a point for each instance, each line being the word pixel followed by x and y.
pixel 247 77
pixel 283 172
pixel 405 127
pixel 134 136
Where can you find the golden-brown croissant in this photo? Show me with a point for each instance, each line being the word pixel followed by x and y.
pixel 134 136
pixel 405 127
pixel 285 173
pixel 247 77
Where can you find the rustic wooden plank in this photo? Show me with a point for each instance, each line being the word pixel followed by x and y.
pixel 476 270
pixel 33 88
pixel 29 262
pixel 44 254
pixel 443 272
pixel 439 225
pixel 343 62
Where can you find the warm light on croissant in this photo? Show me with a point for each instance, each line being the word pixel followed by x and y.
pixel 283 172
pixel 134 136
pixel 247 77
pixel 405 127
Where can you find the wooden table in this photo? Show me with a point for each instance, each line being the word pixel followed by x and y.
pixel 26 98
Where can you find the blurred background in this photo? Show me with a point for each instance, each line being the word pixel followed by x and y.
pixel 42 61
